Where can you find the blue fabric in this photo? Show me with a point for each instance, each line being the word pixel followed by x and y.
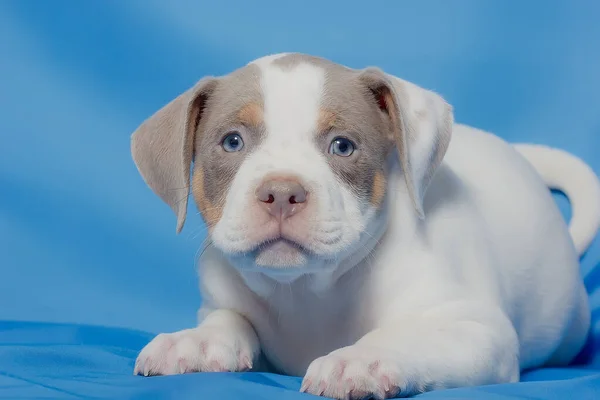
pixel 90 267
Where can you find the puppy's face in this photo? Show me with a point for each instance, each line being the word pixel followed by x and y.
pixel 290 163
pixel 292 156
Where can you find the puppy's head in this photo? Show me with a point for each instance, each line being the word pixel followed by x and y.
pixel 292 157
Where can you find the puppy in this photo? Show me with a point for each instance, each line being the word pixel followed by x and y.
pixel 361 239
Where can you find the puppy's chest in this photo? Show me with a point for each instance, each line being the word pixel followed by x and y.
pixel 295 329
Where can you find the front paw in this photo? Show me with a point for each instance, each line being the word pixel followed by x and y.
pixel 355 372
pixel 202 349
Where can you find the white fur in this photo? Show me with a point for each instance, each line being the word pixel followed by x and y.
pixel 486 285
pixel 569 174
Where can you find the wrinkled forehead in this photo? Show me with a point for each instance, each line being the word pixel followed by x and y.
pixel 292 94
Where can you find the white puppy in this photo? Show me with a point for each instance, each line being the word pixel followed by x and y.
pixel 361 239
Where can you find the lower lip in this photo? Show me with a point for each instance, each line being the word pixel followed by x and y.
pixel 282 245
pixel 280 253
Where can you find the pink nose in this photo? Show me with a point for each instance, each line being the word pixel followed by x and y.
pixel 282 197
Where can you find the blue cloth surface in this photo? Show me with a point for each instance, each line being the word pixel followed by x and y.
pixel 90 267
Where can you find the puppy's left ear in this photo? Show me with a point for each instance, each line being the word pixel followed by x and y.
pixel 421 127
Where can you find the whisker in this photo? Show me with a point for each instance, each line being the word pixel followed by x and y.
pixel 182 199
pixel 207 243
pixel 210 209
pixel 183 188
pixel 203 229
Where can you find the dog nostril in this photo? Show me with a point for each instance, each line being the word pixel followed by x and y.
pixel 281 193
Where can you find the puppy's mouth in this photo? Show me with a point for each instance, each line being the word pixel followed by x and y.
pixel 280 253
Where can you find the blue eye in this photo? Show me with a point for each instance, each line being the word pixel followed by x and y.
pixel 341 146
pixel 233 142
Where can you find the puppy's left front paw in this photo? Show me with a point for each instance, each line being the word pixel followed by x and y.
pixel 355 372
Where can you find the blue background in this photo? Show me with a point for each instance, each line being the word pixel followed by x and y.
pixel 88 255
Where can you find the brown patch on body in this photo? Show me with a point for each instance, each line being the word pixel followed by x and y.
pixel 251 115
pixel 378 189
pixel 211 213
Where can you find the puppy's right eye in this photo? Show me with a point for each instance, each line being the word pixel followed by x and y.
pixel 232 142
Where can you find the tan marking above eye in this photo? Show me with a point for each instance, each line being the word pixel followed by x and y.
pixel 210 212
pixel 251 114
pixel 378 189
pixel 326 120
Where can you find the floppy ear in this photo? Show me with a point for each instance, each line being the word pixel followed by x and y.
pixel 422 126
pixel 162 147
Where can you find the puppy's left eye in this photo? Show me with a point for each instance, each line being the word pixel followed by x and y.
pixel 340 146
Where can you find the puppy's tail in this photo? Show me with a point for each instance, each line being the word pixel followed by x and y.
pixel 569 174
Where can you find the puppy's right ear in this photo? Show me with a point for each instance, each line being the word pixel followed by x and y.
pixel 162 147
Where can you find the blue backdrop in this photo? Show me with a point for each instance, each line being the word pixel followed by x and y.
pixel 90 266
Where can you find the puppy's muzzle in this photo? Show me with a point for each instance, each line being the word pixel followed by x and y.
pixel 282 197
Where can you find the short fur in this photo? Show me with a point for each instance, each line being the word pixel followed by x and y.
pixel 408 267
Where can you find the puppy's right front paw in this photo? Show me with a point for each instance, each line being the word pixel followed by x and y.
pixel 200 349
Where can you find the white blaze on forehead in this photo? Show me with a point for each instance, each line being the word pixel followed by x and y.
pixel 292 97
